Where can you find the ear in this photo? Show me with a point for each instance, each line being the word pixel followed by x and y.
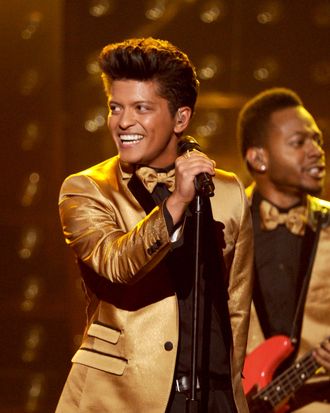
pixel 182 119
pixel 256 158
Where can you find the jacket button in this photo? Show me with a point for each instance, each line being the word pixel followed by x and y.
pixel 168 346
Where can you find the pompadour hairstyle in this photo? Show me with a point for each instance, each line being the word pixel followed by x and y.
pixel 152 59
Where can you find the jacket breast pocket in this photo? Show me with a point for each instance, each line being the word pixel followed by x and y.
pixel 104 332
pixel 97 353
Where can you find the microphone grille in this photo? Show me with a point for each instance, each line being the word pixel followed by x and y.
pixel 187 143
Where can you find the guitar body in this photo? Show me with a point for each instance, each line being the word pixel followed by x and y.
pixel 261 363
pixel 265 394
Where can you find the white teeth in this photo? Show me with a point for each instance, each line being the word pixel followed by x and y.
pixel 130 138
pixel 316 171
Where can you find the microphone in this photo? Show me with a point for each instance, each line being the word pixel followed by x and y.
pixel 203 181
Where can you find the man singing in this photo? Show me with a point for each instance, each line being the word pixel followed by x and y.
pixel 131 223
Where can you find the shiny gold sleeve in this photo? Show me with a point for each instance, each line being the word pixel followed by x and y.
pixel 241 279
pixel 108 233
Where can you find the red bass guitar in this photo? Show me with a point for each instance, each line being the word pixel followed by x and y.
pixel 265 395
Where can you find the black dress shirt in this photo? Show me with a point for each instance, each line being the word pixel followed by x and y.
pixel 281 260
pixel 214 337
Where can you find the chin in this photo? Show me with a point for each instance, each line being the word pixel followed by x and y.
pixel 315 191
pixel 313 187
pixel 129 159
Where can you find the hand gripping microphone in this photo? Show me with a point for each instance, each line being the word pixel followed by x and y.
pixel 203 181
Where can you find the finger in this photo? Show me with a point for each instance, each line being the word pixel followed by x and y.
pixel 187 154
pixel 325 346
pixel 322 356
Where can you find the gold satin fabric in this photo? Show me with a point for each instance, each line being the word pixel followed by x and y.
pixel 150 178
pixel 295 219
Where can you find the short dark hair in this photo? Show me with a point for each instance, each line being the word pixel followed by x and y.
pixel 253 119
pixel 152 59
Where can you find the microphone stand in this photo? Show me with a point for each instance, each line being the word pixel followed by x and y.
pixel 207 190
pixel 204 188
pixel 192 402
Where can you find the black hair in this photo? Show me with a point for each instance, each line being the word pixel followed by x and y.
pixel 253 119
pixel 152 59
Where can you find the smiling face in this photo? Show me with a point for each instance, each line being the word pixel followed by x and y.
pixel 294 155
pixel 141 124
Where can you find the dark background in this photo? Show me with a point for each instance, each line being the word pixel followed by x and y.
pixel 53 114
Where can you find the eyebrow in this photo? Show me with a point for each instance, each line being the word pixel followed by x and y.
pixel 150 102
pixel 316 135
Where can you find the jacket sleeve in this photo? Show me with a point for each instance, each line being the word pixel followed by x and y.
pixel 241 280
pixel 93 227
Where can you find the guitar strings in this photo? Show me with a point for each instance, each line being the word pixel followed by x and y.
pixel 288 381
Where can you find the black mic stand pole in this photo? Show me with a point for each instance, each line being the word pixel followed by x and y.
pixel 191 402
pixel 204 188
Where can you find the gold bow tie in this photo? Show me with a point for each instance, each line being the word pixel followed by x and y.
pixel 295 220
pixel 150 178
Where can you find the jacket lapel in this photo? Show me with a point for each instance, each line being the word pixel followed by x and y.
pixel 141 194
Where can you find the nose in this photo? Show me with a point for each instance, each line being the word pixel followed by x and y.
pixel 315 149
pixel 126 119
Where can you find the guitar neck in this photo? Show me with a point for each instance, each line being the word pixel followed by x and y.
pixel 289 381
